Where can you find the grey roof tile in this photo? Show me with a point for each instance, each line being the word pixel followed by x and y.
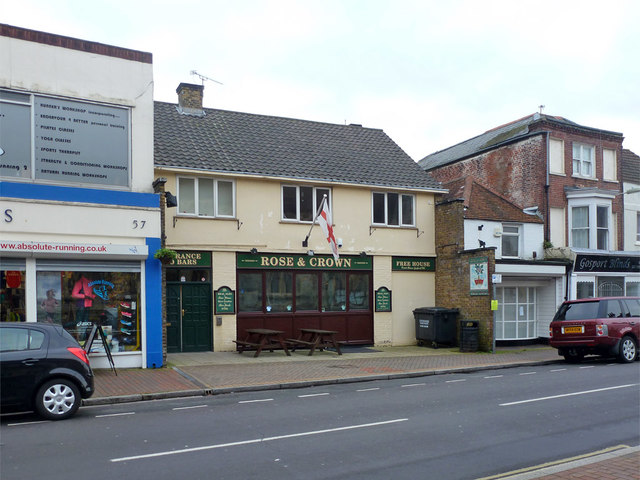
pixel 244 143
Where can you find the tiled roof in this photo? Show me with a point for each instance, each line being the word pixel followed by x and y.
pixel 250 144
pixel 484 204
pixel 630 167
pixel 512 131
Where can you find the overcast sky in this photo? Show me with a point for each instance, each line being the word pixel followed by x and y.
pixel 429 73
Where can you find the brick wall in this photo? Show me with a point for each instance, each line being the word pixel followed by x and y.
pixel 452 271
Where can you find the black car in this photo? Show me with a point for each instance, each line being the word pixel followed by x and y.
pixel 43 368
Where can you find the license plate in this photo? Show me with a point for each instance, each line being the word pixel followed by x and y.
pixel 573 329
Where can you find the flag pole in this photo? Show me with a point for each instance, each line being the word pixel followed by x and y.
pixel 305 242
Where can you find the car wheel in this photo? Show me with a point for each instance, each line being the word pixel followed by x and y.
pixel 628 350
pixel 58 399
pixel 573 355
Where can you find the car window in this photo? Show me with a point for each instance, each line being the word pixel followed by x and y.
pixel 612 309
pixel 578 311
pixel 12 339
pixel 634 306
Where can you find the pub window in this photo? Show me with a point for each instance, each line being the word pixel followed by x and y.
pixel 307 291
pixel 279 291
pixel 300 203
pixel 393 209
pixel 334 291
pixel 250 292
pixel 206 197
pixel 359 291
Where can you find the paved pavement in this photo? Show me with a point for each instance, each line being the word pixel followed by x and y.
pixel 212 373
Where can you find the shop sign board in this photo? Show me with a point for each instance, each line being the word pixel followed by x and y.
pixel 311 262
pixel 192 259
pixel 225 301
pixel 413 264
pixel 607 263
pixel 383 300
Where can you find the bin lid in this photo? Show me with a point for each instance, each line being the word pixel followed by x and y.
pixel 435 310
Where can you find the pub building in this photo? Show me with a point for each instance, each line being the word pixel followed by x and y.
pixel 80 219
pixel 247 188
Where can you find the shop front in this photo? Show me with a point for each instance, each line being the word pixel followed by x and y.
pixel 605 275
pixel 76 291
pixel 289 292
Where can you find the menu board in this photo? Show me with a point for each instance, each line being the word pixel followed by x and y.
pixel 225 301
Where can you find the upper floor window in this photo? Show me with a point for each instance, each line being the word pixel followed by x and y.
pixel 590 226
pixel 301 203
pixel 556 156
pixel 393 209
pixel 583 160
pixel 637 226
pixel 206 197
pixel 510 240
pixel 609 166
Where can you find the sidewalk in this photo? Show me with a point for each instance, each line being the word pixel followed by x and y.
pixel 213 373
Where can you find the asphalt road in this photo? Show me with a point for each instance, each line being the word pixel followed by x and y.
pixel 447 427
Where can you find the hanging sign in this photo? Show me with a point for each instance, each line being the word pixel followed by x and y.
pixel 478 276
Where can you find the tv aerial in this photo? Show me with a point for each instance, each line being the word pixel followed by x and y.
pixel 203 78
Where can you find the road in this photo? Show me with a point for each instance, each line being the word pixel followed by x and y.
pixel 449 427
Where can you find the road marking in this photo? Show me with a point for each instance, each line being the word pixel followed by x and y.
pixel 528 373
pixel 187 408
pixel 26 423
pixel 256 401
pixel 559 370
pixel 115 414
pixel 455 381
pixel 368 389
pixel 413 385
pixel 588 366
pixel 568 395
pixel 313 395
pixel 257 440
pixel 495 376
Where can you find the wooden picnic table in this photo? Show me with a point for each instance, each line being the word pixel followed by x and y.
pixel 262 338
pixel 315 338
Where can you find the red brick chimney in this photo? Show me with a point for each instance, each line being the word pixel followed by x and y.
pixel 190 99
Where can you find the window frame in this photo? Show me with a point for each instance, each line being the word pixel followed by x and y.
pixel 196 196
pixel 610 165
pixel 517 234
pixel 316 202
pixel 399 203
pixel 581 147
pixel 594 206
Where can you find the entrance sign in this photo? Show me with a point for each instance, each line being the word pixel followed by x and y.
pixel 383 300
pixel 225 301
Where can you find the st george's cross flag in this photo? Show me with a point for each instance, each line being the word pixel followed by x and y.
pixel 325 222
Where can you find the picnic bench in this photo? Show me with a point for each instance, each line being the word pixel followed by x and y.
pixel 259 339
pixel 314 338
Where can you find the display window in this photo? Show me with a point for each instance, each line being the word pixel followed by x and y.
pixel 77 300
pixel 12 296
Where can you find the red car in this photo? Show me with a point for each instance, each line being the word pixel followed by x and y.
pixel 607 326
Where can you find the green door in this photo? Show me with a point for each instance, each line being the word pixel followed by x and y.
pixel 189 317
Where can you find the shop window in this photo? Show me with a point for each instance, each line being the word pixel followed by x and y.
pixel 307 291
pixel 393 209
pixel 334 291
pixel 585 289
pixel 610 286
pixel 206 197
pixel 77 300
pixel 279 292
pixel 358 291
pixel 633 289
pixel 301 203
pixel 250 292
pixel 12 296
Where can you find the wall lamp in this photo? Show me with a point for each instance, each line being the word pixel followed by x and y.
pixel 171 199
pixel 253 251
pixel 311 253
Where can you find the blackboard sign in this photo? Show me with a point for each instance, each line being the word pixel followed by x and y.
pixel 225 301
pixel 383 300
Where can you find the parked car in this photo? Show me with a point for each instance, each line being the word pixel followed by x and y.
pixel 600 326
pixel 42 368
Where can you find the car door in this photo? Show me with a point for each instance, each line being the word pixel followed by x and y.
pixel 23 353
pixel 633 315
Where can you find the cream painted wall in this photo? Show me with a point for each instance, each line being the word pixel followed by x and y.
pixel 258 225
pixel 258 210
pixel 87 76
